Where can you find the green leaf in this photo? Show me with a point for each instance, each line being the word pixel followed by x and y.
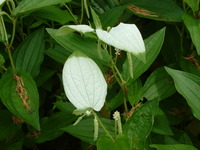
pixel 55 14
pixel 103 5
pixel 72 42
pixel 51 126
pixel 29 55
pixel 165 10
pixel 193 26
pixel 159 85
pixel 2 60
pixel 66 107
pixel 153 46
pixel 26 6
pixel 7 126
pixel 194 4
pixel 173 147
pixel 58 53
pixel 14 103
pixel 187 85
pixel 84 130
pixel 161 124
pixel 111 17
pixel 105 143
pixel 138 127
pixel 97 21
pixel 135 92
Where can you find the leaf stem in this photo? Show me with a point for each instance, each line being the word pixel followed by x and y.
pixel 10 57
pixel 104 128
pixel 14 30
pixel 71 13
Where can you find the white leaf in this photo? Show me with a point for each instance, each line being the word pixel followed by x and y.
pixel 126 37
pixel 83 82
pixel 2 1
pixel 81 28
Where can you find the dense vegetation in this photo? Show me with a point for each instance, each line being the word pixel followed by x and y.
pixel 156 93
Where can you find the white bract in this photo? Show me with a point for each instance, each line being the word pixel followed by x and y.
pixel 81 28
pixel 84 83
pixel 126 37
pixel 2 1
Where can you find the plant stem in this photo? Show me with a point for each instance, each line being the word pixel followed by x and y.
pixel 125 103
pixel 11 59
pixel 82 11
pixel 95 115
pixel 14 30
pixel 71 13
pixel 8 46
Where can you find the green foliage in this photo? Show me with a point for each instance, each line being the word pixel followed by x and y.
pixel 29 55
pixel 105 143
pixel 187 85
pixel 152 105
pixel 25 109
pixel 138 127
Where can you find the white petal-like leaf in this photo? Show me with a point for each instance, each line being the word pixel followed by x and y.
pixel 81 28
pixel 126 37
pixel 2 1
pixel 83 82
pixel 71 28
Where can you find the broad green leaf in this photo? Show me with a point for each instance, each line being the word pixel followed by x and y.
pixel 26 5
pixel 135 92
pixel 29 55
pixel 153 46
pixel 187 85
pixel 84 130
pixel 103 5
pixel 72 42
pixel 193 26
pixel 194 4
pixel 84 82
pixel 55 14
pixel 66 107
pixel 138 127
pixel 163 10
pixel 51 126
pixel 161 124
pixel 173 147
pixel 14 103
pixel 2 60
pixel 120 143
pixel 159 85
pixel 58 53
pixel 126 37
pixel 111 17
pixel 7 126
